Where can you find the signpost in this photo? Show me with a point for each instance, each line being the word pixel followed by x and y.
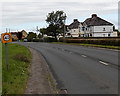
pixel 6 38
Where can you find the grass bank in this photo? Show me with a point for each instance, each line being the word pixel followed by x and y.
pixel 14 80
pixel 90 45
pixel 0 68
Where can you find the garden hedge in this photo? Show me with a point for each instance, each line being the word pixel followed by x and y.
pixel 99 41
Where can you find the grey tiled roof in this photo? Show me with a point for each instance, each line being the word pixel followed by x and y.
pixel 96 21
pixel 74 25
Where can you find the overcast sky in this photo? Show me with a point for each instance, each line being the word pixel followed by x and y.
pixel 27 14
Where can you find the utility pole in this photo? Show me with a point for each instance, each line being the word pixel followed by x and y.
pixel 37 31
pixel 6 53
pixel 6 30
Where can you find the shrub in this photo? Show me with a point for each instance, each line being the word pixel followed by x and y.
pixel 100 41
pixel 49 39
pixel 36 40
pixel 21 57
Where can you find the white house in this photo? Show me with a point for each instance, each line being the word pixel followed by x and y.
pixel 73 29
pixel 97 27
pixel 91 27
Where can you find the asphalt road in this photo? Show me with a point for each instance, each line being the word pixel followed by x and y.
pixel 81 70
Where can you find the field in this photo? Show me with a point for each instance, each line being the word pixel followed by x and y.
pixel 15 78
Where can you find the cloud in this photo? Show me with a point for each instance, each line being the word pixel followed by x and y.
pixel 16 13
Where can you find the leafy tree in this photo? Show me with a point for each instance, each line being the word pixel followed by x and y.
pixel 43 31
pixel 30 36
pixel 39 35
pixel 56 23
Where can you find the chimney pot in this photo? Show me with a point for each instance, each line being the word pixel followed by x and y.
pixel 75 20
pixel 94 15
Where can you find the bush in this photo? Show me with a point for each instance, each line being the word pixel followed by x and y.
pixel 21 57
pixel 100 41
pixel 36 40
pixel 49 39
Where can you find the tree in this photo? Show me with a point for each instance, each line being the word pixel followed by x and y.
pixel 43 31
pixel 56 23
pixel 39 35
pixel 30 36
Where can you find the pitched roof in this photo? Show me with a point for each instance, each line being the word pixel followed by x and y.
pixel 74 25
pixel 96 21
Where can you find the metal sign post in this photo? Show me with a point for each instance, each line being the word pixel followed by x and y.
pixel 6 53
pixel 6 38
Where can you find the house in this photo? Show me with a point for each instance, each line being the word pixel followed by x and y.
pixel 97 27
pixel 14 36
pixel 73 29
pixel 24 34
pixel 91 27
pixel 19 35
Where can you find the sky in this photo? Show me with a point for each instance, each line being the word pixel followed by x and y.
pixel 17 15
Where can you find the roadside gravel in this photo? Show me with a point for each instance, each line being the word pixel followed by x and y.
pixel 40 80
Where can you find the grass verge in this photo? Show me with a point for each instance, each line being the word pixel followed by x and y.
pixel 90 45
pixel 0 68
pixel 15 79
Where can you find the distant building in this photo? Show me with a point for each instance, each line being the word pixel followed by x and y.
pixel 14 36
pixel 91 27
pixel 19 35
pixel 24 34
pixel 73 29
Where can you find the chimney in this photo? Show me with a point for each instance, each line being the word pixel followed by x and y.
pixel 94 15
pixel 75 20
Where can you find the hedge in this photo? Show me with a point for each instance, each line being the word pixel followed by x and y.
pixel 102 41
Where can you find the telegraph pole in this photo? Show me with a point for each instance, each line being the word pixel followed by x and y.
pixel 6 53
pixel 37 30
pixel 6 30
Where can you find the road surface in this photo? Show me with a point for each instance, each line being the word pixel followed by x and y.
pixel 81 70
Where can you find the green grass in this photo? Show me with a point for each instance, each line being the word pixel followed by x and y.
pixel 0 68
pixel 15 79
pixel 91 45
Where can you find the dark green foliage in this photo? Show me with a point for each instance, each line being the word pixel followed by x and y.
pixel 39 35
pixel 102 41
pixel 56 23
pixel 49 39
pixel 31 36
pixel 43 31
pixel 36 40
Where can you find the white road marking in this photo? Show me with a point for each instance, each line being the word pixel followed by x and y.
pixel 104 63
pixel 83 56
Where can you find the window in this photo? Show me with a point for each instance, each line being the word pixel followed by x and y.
pixel 103 29
pixel 83 28
pixel 69 34
pixel 109 35
pixel 103 35
pixel 90 34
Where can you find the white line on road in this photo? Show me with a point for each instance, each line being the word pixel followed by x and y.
pixel 104 63
pixel 83 56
